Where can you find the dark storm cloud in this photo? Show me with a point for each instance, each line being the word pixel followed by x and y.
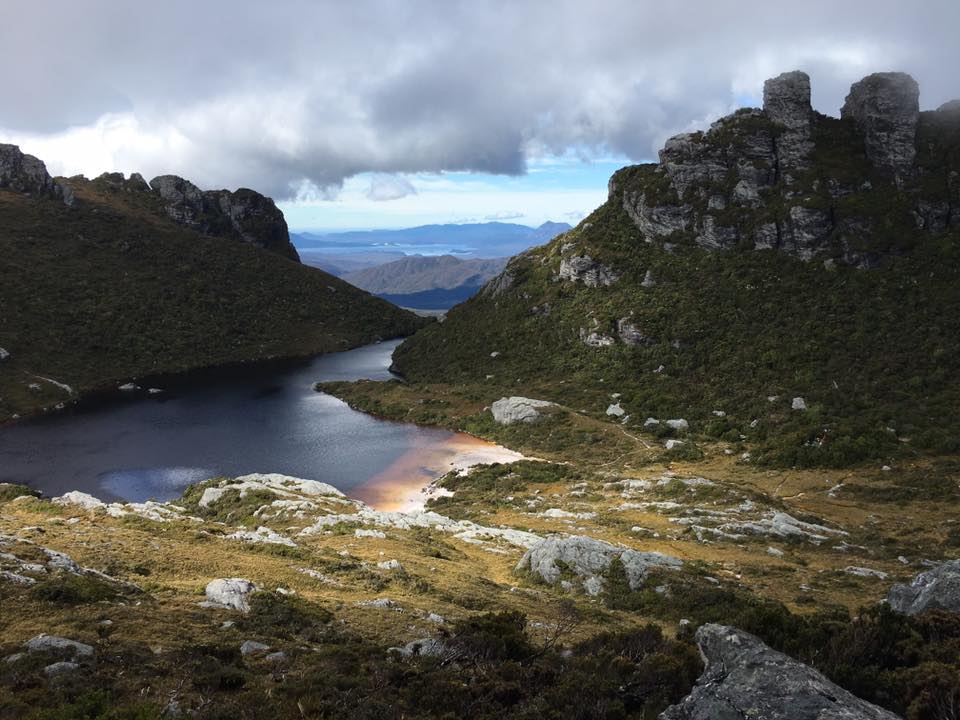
pixel 292 96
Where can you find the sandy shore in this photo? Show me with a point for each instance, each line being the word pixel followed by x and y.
pixel 406 484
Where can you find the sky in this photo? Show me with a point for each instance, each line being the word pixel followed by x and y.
pixel 381 113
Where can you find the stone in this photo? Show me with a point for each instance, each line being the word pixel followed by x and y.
pixel 586 557
pixel 252 647
pixel 425 647
pixel 631 334
pixel 128 387
pixel 362 533
pixel 678 424
pixel 592 338
pixel 744 678
pixel 864 572
pixel 230 593
pixel 585 270
pixel 885 106
pixel 276 657
pixel 53 643
pixel 615 410
pixel 4 355
pixel 509 410
pixel 798 403
pixel 262 535
pixel 936 589
pixel 60 668
pixel 81 499
pixel 671 443
pixel 390 565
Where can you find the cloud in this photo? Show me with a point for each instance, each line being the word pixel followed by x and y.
pixel 298 95
pixel 503 215
pixel 389 187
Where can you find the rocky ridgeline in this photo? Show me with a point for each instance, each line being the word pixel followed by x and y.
pixel 244 215
pixel 789 178
pixel 27 174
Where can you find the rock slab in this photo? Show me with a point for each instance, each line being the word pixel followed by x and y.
pixel 936 589
pixel 744 678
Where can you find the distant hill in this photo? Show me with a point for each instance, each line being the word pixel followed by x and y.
pixel 106 280
pixel 493 239
pixel 419 273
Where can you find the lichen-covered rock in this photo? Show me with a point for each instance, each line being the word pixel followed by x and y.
pixel 744 678
pixel 509 410
pixel 245 214
pixel 53 643
pixel 26 174
pixel 885 106
pixel 936 589
pixel 585 270
pixel 588 557
pixel 230 593
pixel 631 334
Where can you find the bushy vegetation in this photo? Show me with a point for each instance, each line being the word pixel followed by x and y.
pixel 132 294
pixel 908 664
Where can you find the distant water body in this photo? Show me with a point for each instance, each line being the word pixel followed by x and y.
pixel 258 419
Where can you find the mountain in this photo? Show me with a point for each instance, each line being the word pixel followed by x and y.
pixel 110 279
pixel 787 282
pixel 431 282
pixel 492 239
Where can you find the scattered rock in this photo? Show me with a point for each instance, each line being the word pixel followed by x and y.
pixel 53 643
pixel 865 572
pixel 390 565
pixel 936 589
pixel 744 678
pixel 60 668
pixel 507 411
pixel 587 557
pixel 679 424
pixel 82 499
pixel 615 410
pixel 230 593
pixel 252 647
pixel 426 647
pixel 362 533
pixel 3 354
pixel 671 443
pixel 128 387
pixel 262 535
pixel 798 404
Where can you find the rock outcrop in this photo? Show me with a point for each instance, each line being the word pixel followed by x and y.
pixel 886 108
pixel 587 558
pixel 27 174
pixel 746 679
pixel 507 411
pixel 936 589
pixel 244 214
pixel 755 179
pixel 585 270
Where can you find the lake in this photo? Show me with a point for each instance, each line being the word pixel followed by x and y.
pixel 233 422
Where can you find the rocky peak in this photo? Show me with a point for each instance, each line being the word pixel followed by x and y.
pixel 786 99
pixel 27 174
pixel 244 214
pixel 886 109
pixel 755 178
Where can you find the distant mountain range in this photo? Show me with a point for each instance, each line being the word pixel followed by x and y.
pixel 431 282
pixel 493 239
pixel 430 267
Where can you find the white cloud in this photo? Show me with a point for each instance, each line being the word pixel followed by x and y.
pixel 389 187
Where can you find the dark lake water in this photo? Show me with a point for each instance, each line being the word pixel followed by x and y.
pixel 258 419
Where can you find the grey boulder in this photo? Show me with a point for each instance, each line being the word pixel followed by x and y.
pixel 507 411
pixel 230 593
pixel 744 678
pixel 936 589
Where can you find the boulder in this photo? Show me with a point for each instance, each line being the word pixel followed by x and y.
pixel 936 589
pixel 81 499
pixel 631 334
pixel 53 643
pixel 230 593
pixel 4 354
pixel 885 106
pixel 587 557
pixel 744 678
pixel 24 173
pixel 252 647
pixel 507 411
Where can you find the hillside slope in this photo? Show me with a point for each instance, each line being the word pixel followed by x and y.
pixel 782 254
pixel 113 287
pixel 421 273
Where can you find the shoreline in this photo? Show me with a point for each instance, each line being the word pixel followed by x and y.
pixel 407 484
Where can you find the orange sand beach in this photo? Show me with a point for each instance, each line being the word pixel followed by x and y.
pixel 406 484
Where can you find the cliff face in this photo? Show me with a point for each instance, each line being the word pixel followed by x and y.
pixel 789 178
pixel 245 214
pixel 27 174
